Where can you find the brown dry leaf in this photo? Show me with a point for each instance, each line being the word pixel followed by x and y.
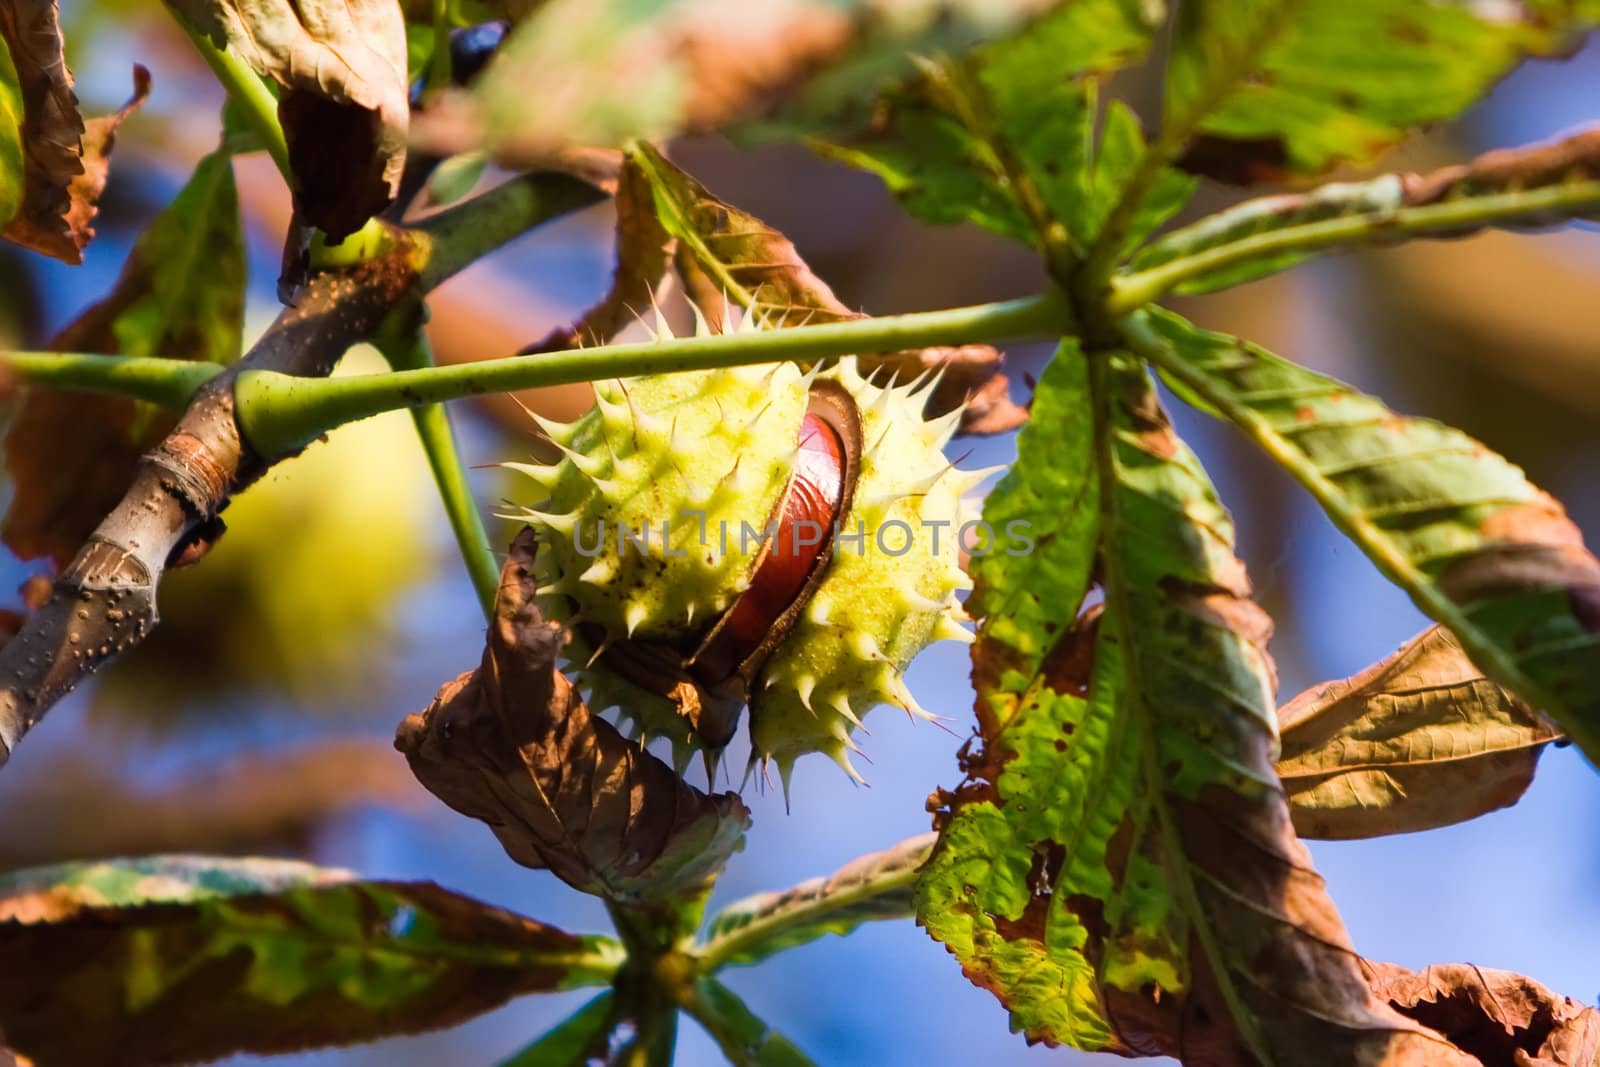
pixel 725 254
pixel 512 744
pixel 99 137
pixel 1498 1016
pixel 1419 740
pixel 345 107
pixel 65 159
pixel 644 249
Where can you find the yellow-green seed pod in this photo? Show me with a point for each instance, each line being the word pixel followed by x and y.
pixel 658 552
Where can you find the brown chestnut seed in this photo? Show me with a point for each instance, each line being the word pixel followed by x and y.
pixel 712 684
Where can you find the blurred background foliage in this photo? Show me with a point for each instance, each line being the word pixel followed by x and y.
pixel 259 717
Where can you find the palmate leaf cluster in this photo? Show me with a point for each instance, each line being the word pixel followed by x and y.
pixel 1120 863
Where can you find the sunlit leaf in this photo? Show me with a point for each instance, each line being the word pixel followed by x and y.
pixel 885 38
pixel 727 256
pixel 1420 740
pixel 345 103
pixel 1119 867
pixel 179 959
pixel 876 886
pixel 512 744
pixel 1477 546
pixel 1260 89
pixel 180 295
pixel 1003 135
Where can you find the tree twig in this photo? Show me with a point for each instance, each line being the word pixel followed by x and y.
pixel 103 603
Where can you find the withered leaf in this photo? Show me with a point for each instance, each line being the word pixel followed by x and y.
pixel 345 108
pixel 65 159
pixel 644 250
pixel 181 959
pixel 512 744
pixel 727 255
pixel 1498 1016
pixel 181 294
pixel 1419 740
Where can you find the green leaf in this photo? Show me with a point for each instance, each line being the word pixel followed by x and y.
pixel 744 1038
pixel 178 959
pixel 1419 740
pixel 1119 866
pixel 1377 199
pixel 1477 546
pixel 882 49
pixel 570 1043
pixel 11 174
pixel 1260 89
pixel 875 886
pixel 454 178
pixel 1003 135
pixel 1533 185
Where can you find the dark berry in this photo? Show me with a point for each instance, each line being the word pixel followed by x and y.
pixel 472 47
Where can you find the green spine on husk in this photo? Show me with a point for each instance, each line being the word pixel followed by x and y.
pixel 709 455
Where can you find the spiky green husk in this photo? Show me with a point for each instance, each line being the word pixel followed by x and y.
pixel 724 443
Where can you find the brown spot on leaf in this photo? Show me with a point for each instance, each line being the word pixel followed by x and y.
pixel 1235 160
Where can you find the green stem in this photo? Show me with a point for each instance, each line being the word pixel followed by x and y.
pixel 648 988
pixel 454 239
pixel 449 473
pixel 1130 292
pixel 280 413
pixel 744 1038
pixel 170 383
pixel 439 61
pixel 249 92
